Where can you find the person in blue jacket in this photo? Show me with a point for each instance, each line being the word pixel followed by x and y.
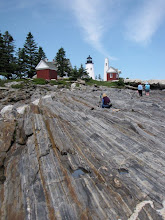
pixel 147 88
pixel 106 103
pixel 140 89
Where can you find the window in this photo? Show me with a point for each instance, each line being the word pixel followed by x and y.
pixel 106 64
pixel 111 75
pixel 91 68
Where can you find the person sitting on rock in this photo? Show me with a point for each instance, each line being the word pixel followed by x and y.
pixel 147 88
pixel 106 103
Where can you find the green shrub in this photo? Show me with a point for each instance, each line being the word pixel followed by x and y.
pixel 18 86
pixel 121 82
pixel 100 83
pixel 22 80
pixel 3 81
pixel 40 81
pixel 53 82
pixel 117 84
pixel 64 82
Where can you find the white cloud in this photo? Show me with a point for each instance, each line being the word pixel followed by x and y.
pixel 145 21
pixel 92 19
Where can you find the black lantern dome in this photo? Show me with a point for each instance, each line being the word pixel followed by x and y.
pixel 89 60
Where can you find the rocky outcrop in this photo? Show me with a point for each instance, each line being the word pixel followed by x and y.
pixel 155 84
pixel 64 157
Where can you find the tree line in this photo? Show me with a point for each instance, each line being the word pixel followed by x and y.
pixel 22 63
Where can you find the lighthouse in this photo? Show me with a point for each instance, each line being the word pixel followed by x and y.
pixel 90 67
pixel 106 67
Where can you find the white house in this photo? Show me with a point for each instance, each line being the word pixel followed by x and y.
pixel 110 73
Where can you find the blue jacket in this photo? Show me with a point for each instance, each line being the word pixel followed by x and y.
pixel 140 87
pixel 147 87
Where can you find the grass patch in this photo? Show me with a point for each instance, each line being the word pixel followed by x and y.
pixel 18 86
pixel 64 82
pixel 40 81
pixel 21 80
pixel 118 84
pixel 3 81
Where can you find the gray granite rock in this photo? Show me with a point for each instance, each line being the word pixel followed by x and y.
pixel 64 157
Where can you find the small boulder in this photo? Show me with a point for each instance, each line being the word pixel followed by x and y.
pixel 73 86
pixel 9 112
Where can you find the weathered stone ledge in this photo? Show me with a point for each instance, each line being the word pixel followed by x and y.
pixel 64 157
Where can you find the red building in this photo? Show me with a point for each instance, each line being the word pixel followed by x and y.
pixel 112 74
pixel 46 70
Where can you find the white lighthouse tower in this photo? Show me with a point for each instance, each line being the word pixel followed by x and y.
pixel 106 67
pixel 90 67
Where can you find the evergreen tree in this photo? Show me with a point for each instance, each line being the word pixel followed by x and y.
pixel 21 62
pixel 99 77
pixel 82 72
pixel 8 66
pixel 31 59
pixel 1 54
pixel 78 73
pixel 41 54
pixel 74 73
pixel 63 64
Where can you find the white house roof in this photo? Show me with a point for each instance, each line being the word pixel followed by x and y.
pixel 45 65
pixel 112 70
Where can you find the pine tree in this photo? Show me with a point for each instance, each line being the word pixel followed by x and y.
pixel 41 54
pixel 78 73
pixel 63 64
pixel 2 46
pixel 31 60
pixel 99 77
pixel 74 73
pixel 8 60
pixel 82 72
pixel 21 62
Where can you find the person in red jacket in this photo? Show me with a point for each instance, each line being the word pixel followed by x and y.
pixel 106 103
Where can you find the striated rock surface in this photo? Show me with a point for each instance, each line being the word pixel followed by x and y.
pixel 64 157
pixel 154 83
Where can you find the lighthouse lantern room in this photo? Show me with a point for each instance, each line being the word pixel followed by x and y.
pixel 90 67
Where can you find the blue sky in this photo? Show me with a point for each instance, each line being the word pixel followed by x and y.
pixel 130 32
